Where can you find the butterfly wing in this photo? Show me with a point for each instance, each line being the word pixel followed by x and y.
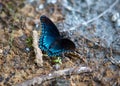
pixel 60 46
pixel 51 41
pixel 49 33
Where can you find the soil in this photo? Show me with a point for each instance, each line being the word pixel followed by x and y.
pixel 97 42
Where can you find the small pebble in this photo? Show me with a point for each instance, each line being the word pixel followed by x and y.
pixel 27 49
pixel 56 66
pixel 37 26
pixel 115 17
pixel 41 6
pixel 118 22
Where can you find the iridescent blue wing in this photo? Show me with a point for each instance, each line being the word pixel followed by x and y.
pixel 49 33
pixel 61 46
pixel 51 41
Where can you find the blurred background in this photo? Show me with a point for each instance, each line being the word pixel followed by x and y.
pixel 93 25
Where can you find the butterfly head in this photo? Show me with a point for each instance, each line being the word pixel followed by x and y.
pixel 42 18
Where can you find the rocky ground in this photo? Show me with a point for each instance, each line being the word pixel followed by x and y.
pixel 93 25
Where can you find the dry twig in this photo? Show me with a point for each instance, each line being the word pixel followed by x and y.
pixel 55 74
pixel 111 58
pixel 91 20
pixel 37 50
pixel 100 15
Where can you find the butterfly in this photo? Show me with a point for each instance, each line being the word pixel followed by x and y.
pixel 51 41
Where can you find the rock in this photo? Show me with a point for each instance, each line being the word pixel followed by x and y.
pixel 118 23
pixel 115 17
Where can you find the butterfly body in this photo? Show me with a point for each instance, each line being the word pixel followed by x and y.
pixel 51 41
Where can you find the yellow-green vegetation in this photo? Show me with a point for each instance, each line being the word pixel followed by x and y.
pixel 57 60
pixel 29 42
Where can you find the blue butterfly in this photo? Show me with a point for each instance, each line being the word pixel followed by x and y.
pixel 50 40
